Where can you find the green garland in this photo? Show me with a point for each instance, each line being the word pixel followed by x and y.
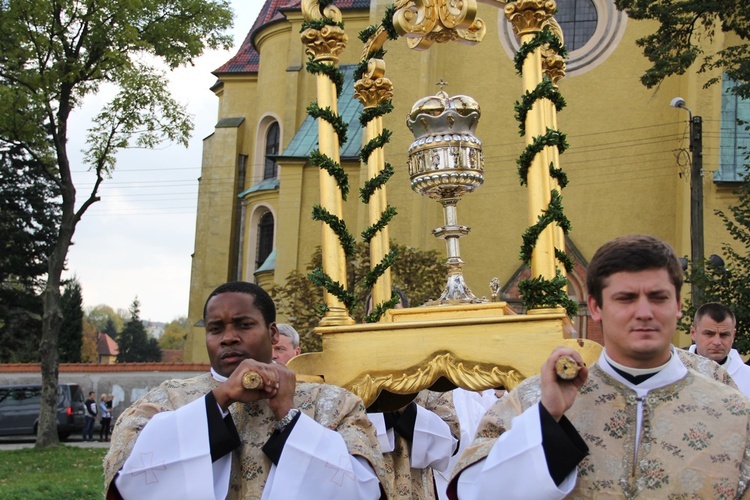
pixel 554 213
pixel 544 37
pixel 334 169
pixel 339 227
pixel 371 185
pixel 370 114
pixel 373 274
pixel 339 125
pixel 331 71
pixel 380 309
pixel 551 138
pixel 538 291
pixel 559 175
pixel 376 142
pixel 545 90
pixel 385 217
pixel 319 278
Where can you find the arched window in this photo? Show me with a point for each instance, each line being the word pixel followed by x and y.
pixel 270 170
pixel 577 18
pixel 265 238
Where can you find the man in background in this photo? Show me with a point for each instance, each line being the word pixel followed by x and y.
pixel 288 345
pixel 89 417
pixel 713 332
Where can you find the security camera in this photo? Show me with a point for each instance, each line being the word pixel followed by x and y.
pixel 677 102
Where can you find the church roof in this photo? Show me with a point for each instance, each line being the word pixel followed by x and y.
pixel 269 264
pixel 247 58
pixel 306 139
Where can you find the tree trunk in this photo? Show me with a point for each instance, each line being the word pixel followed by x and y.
pixel 50 358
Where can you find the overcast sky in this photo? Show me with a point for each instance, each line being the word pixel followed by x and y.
pixel 138 239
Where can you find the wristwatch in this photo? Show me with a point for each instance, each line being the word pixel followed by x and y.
pixel 287 419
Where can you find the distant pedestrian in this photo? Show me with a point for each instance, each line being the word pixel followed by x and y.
pixel 106 418
pixel 90 417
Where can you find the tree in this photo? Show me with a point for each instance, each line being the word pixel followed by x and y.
pixel 71 330
pixel 174 334
pixel 728 283
pixel 680 40
pixel 134 342
pixel 105 319
pixel 53 55
pixel 89 353
pixel 27 223
pixel 419 274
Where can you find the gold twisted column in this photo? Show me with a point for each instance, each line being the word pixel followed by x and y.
pixel 527 18
pixel 324 45
pixel 553 65
pixel 372 90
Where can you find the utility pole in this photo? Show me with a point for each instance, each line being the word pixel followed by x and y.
pixel 696 202
pixel 696 195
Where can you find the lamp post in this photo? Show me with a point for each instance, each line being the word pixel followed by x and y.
pixel 696 193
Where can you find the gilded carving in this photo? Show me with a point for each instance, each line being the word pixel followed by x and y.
pixel 324 44
pixel 529 16
pixel 311 10
pixel 373 88
pixel 473 377
pixel 553 64
pixel 424 22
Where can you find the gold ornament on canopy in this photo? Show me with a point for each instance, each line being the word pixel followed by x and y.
pixel 424 22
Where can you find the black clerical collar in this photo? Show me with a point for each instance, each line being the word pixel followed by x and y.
pixel 634 379
pixel 723 361
pixel 635 376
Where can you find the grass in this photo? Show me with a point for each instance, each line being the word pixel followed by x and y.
pixel 62 472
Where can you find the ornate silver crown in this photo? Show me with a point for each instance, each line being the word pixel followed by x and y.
pixel 445 159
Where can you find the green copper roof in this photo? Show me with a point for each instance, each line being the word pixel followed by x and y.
pixel 305 140
pixel 264 185
pixel 269 264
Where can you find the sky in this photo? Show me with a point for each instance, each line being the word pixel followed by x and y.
pixel 137 241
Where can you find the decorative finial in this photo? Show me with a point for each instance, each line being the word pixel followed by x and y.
pixel 442 84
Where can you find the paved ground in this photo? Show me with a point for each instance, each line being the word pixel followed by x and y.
pixel 17 442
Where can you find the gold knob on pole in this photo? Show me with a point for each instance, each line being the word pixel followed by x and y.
pixel 252 380
pixel 566 367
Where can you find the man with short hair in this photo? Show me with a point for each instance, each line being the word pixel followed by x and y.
pixel 211 437
pixel 713 332
pixel 638 423
pixel 89 417
pixel 288 345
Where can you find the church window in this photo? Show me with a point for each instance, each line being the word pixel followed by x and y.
pixel 577 19
pixel 270 170
pixel 734 144
pixel 265 238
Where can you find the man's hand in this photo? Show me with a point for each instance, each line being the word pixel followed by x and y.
pixel 559 395
pixel 278 386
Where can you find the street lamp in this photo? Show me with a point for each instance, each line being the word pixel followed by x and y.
pixel 696 192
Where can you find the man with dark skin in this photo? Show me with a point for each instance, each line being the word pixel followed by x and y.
pixel 219 439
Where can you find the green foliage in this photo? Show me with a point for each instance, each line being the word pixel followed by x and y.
pixel 174 334
pixel 27 225
pixel 418 273
pixel 551 138
pixel 105 319
pixel 685 34
pixel 71 330
pixel 55 54
pixel 544 37
pixel 729 285
pixel 540 292
pixel 63 472
pixel 134 343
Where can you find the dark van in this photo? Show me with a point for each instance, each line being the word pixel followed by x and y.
pixel 19 409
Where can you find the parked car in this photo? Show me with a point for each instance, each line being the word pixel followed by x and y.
pixel 19 409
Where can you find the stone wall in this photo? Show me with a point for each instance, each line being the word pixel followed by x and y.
pixel 127 381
